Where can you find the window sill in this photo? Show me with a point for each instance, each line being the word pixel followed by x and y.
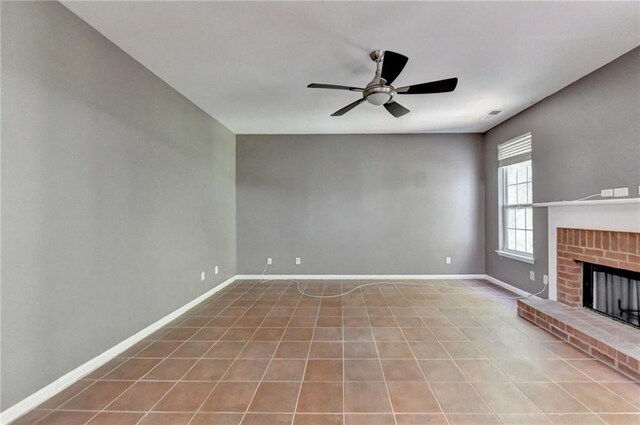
pixel 514 256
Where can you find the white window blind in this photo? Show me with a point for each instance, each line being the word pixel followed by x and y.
pixel 515 150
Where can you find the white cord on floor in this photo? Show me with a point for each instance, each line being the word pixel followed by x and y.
pixel 386 282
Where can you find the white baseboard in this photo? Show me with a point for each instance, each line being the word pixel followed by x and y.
pixel 42 395
pixel 361 276
pixel 511 288
pixel 491 279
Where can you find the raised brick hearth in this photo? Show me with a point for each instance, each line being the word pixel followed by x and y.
pixel 614 249
pixel 612 342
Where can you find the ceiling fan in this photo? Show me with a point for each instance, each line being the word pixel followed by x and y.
pixel 380 91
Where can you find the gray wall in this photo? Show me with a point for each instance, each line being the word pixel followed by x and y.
pixel 360 204
pixel 586 137
pixel 116 193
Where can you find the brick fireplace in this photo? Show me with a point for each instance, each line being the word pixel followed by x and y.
pixel 599 234
pixel 607 340
pixel 607 248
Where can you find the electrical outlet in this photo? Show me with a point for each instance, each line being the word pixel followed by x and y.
pixel 532 275
pixel 297 261
pixel 621 191
pixel 215 270
pixel 447 260
pixel 269 260
pixel 545 279
pixel 202 276
pixel 606 193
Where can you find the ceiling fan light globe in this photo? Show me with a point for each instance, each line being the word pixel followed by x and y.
pixel 378 98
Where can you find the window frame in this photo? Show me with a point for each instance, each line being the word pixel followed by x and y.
pixel 503 250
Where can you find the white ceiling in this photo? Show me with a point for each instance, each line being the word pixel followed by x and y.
pixel 248 64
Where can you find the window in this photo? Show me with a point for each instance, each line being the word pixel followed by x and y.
pixel 515 180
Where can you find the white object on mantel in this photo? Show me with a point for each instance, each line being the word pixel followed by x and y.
pixel 618 215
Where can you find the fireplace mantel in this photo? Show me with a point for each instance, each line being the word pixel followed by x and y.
pixel 618 215
pixel 619 201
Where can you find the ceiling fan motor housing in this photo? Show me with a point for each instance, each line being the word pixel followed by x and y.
pixel 379 94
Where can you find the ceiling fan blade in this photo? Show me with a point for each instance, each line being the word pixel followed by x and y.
pixel 392 65
pixel 396 109
pixel 347 108
pixel 440 86
pixel 333 86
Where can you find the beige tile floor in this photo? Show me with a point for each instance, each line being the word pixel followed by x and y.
pixel 438 352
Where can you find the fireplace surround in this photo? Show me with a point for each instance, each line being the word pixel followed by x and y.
pixel 620 250
pixel 605 233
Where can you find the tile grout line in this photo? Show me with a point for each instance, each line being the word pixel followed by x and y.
pixel 496 414
pixel 177 381
pixel 474 388
pixel 235 359
pixel 216 384
pixel 274 352
pixel 551 381
pixel 420 367
pixel 375 344
pixel 306 364
pixel 183 343
pixel 122 380
pixel 491 360
pixel 57 408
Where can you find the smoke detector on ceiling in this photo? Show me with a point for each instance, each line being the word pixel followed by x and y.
pixel 490 114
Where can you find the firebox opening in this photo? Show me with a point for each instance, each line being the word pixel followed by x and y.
pixel 612 292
